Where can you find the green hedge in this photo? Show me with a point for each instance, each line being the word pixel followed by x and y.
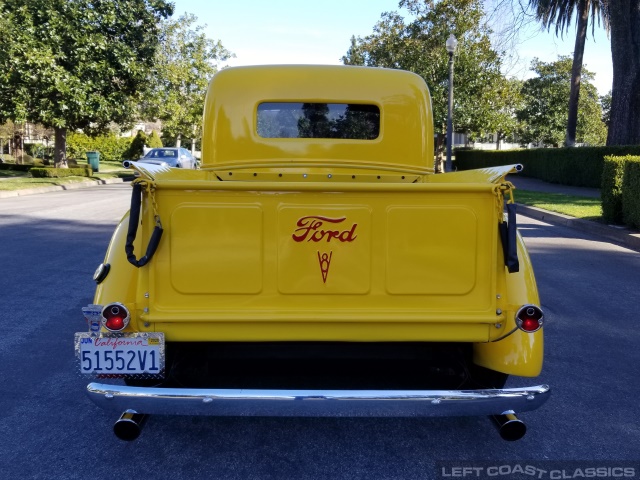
pixel 631 193
pixel 611 188
pixel 578 166
pixel 60 172
pixel 620 190
pixel 136 147
pixel 154 141
pixel 111 148
pixel 13 166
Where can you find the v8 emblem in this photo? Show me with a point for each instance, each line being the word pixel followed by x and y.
pixel 325 262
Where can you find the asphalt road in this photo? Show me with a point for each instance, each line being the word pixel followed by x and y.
pixel 50 244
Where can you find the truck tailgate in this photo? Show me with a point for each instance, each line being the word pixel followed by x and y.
pixel 414 261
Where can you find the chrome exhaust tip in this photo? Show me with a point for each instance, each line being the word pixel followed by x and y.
pixel 129 425
pixel 511 428
pixel 126 163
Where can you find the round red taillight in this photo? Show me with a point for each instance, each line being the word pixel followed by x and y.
pixel 115 317
pixel 529 318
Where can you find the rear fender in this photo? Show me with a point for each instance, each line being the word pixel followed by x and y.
pixel 121 282
pixel 520 353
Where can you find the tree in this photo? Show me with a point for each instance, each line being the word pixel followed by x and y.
pixel 544 113
pixel 624 128
pixel 503 117
pixel 76 64
pixel 315 122
pixel 560 13
pixel 136 149
pixel 508 20
pixel 605 101
pixel 6 133
pixel 418 45
pixel 178 83
pixel 154 141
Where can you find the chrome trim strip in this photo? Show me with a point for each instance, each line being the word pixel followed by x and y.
pixel 317 403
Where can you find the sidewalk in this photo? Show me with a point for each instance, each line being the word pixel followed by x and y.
pixel 533 184
pixel 613 233
pixel 56 188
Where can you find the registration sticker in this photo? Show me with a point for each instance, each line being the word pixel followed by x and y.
pixel 120 354
pixel 93 315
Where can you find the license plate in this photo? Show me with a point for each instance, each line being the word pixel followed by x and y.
pixel 120 353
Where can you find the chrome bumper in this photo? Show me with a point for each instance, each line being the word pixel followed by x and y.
pixel 317 403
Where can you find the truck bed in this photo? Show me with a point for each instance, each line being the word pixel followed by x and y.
pixel 324 261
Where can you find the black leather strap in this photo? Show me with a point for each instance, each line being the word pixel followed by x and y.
pixel 134 219
pixel 508 235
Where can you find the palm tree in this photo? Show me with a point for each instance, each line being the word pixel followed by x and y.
pixel 560 13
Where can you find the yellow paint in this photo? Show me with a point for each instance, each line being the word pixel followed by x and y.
pixel 520 353
pixel 326 239
pixel 216 249
pixel 230 133
pixel 120 285
pixel 341 329
pixel 418 250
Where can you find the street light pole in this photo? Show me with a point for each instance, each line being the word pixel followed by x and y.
pixel 451 44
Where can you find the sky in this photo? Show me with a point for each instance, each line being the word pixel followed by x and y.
pixel 319 32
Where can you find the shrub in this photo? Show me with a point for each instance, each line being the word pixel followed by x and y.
pixel 631 192
pixel 13 166
pixel 136 149
pixel 153 141
pixel 111 147
pixel 78 144
pixel 30 148
pixel 611 188
pixel 24 159
pixel 578 166
pixel 60 172
pixel 37 150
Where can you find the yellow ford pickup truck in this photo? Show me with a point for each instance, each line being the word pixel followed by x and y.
pixel 315 266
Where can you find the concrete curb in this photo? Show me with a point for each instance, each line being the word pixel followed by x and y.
pixel 56 188
pixel 618 235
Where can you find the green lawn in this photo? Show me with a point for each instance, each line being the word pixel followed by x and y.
pixel 20 183
pixel 578 207
pixel 112 166
pixel 15 180
pixel 11 174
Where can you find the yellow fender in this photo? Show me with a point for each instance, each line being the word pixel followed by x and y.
pixel 120 285
pixel 519 353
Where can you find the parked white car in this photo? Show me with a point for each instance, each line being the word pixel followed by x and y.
pixel 174 157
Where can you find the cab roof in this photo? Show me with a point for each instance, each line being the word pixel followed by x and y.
pixel 230 129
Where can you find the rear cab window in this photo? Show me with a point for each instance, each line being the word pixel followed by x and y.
pixel 318 120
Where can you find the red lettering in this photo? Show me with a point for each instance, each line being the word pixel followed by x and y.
pixel 118 342
pixel 310 229
pixel 317 236
pixel 349 235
